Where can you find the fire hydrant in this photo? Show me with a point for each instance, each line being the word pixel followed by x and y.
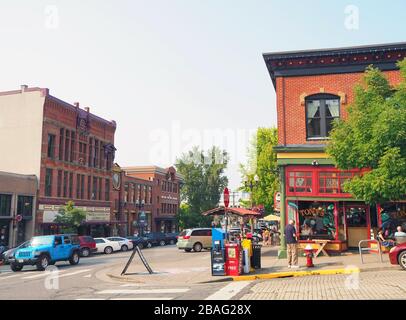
pixel 309 256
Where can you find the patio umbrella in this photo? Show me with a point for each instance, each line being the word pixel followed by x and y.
pixel 272 217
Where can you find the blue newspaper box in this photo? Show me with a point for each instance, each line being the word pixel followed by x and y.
pixel 217 252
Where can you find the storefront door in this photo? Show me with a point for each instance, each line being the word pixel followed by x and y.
pixel 358 223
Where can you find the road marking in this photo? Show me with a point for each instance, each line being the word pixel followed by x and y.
pixel 87 276
pixel 142 291
pixel 73 273
pixel 55 273
pixel 152 298
pixel 40 274
pixel 8 277
pixel 229 291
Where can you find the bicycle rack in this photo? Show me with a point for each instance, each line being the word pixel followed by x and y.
pixel 361 249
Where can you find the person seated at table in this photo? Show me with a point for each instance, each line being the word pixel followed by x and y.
pixel 306 230
pixel 387 243
pixel 399 232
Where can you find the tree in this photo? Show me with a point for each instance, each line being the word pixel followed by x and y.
pixel 374 137
pixel 204 182
pixel 70 216
pixel 262 162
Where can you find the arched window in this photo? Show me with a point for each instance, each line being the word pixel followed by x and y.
pixel 321 110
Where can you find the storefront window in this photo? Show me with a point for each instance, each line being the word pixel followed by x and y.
pixel 300 182
pixel 333 182
pixel 392 216
pixel 316 220
pixel 5 205
pixel 24 205
pixel 356 217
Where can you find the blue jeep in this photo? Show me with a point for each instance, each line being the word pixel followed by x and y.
pixel 43 251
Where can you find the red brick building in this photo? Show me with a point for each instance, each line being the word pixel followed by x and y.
pixel 166 185
pixel 69 149
pixel 313 88
pixel 130 198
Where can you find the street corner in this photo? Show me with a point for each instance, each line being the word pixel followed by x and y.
pixel 299 273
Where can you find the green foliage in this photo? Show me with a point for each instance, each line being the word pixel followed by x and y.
pixel 71 217
pixel 262 162
pixel 204 182
pixel 374 136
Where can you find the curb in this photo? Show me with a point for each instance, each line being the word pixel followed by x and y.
pixel 123 279
pixel 288 274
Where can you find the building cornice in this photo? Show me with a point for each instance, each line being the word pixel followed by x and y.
pixel 334 61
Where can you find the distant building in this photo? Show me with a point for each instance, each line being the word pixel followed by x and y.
pixel 131 198
pixel 165 194
pixel 68 149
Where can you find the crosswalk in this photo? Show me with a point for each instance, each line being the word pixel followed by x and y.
pixel 34 275
pixel 124 293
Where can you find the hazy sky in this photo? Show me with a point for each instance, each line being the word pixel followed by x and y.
pixel 174 73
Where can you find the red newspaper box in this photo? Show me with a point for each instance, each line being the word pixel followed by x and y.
pixel 233 259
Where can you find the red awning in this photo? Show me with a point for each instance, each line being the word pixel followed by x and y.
pixel 242 212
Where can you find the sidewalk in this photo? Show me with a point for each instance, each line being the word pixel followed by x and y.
pixel 172 273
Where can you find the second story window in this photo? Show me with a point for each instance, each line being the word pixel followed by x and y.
pixel 321 110
pixel 48 182
pixel 51 146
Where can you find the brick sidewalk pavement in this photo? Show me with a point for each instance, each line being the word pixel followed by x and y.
pixel 365 285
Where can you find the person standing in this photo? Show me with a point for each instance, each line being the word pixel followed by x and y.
pixel 291 243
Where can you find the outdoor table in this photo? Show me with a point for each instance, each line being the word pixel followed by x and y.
pixel 321 243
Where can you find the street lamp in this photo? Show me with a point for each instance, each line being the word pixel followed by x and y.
pixel 141 216
pixel 249 183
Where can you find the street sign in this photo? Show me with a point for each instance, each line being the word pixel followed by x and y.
pixel 226 197
pixel 19 217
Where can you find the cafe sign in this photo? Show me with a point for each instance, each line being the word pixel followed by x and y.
pixel 312 212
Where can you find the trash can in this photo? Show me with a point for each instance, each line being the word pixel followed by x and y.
pixel 256 256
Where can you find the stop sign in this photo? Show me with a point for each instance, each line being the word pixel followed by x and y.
pixel 226 197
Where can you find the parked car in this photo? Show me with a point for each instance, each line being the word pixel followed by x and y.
pixel 125 244
pixel 196 239
pixel 140 242
pixel 107 246
pixel 171 238
pixel 397 255
pixel 43 251
pixel 8 254
pixel 156 238
pixel 87 246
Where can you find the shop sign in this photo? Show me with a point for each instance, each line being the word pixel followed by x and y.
pixel 97 216
pixel 49 216
pixel 312 212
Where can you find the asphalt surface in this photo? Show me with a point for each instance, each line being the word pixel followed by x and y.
pixel 89 280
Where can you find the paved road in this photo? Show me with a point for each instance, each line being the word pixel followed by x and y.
pixel 88 280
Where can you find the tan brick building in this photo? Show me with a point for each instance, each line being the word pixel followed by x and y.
pixel 69 150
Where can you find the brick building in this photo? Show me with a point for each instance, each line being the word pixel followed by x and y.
pixel 68 149
pixel 131 198
pixel 313 88
pixel 166 185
